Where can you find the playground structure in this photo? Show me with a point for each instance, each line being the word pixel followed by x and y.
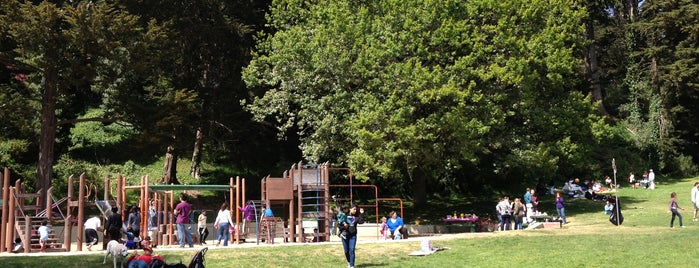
pixel 16 222
pixel 16 219
pixel 304 193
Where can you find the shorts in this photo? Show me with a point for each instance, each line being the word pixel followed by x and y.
pixel 696 206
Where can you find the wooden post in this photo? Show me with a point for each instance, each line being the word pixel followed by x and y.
pixel 67 231
pixel 5 206
pixel 106 188
pixel 28 234
pixel 81 213
pixel 49 204
pixel 10 225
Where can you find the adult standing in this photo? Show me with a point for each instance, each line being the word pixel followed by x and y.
pixel 201 226
pixel 632 180
pixel 396 226
pixel 134 221
pixel 91 225
pixel 560 207
pixel 114 225
pixel 182 210
pixel 354 217
pixel 223 223
pixel 505 211
pixel 518 210
pixel 528 203
pixel 695 199
pixel 651 179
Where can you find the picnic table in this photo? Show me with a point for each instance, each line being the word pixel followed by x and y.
pixel 469 222
pixel 541 218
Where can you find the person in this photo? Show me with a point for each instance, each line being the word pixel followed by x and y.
pixel 384 228
pixel 396 227
pixel 632 180
pixel 341 218
pixel 248 216
pixel 134 221
pixel 114 223
pixel 267 212
pixel 608 207
pixel 223 223
pixel 130 239
pixel 354 217
pixel 695 199
pixel 644 181
pixel 518 211
pixel 201 226
pixel 528 203
pixel 560 208
pixel 505 210
pixel 673 209
pixel 91 225
pixel 608 182
pixel 44 231
pixel 152 215
pixel 535 204
pixel 182 211
pixel 651 180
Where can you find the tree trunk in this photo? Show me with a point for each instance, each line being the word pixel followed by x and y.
pixel 196 155
pixel 48 132
pixel 419 188
pixel 592 68
pixel 170 167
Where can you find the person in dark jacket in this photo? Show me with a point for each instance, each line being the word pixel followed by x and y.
pixel 114 225
pixel 354 217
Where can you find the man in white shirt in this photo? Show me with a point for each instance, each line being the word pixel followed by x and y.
pixel 651 180
pixel 695 199
pixel 91 226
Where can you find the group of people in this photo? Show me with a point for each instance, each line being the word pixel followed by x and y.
pixel 519 211
pixel 647 182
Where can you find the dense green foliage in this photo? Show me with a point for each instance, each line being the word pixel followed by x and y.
pixel 418 97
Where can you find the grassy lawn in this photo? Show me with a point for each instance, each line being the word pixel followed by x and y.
pixel 644 240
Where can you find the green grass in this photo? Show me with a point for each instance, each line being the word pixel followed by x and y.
pixel 644 240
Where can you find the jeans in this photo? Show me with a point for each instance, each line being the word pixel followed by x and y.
pixel 505 223
pixel 518 222
pixel 675 212
pixel 562 214
pixel 223 233
pixel 138 264
pixel 349 244
pixel 182 234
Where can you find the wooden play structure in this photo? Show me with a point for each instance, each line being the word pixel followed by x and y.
pixel 20 219
pixel 304 193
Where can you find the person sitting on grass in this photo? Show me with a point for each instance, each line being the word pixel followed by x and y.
pixel 396 227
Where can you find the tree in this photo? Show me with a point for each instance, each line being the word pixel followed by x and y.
pixel 419 93
pixel 84 52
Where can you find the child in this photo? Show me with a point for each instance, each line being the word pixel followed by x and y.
pixel 130 239
pixel 342 221
pixel 384 228
pixel 673 209
pixel 44 231
pixel 608 207
pixel 201 224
